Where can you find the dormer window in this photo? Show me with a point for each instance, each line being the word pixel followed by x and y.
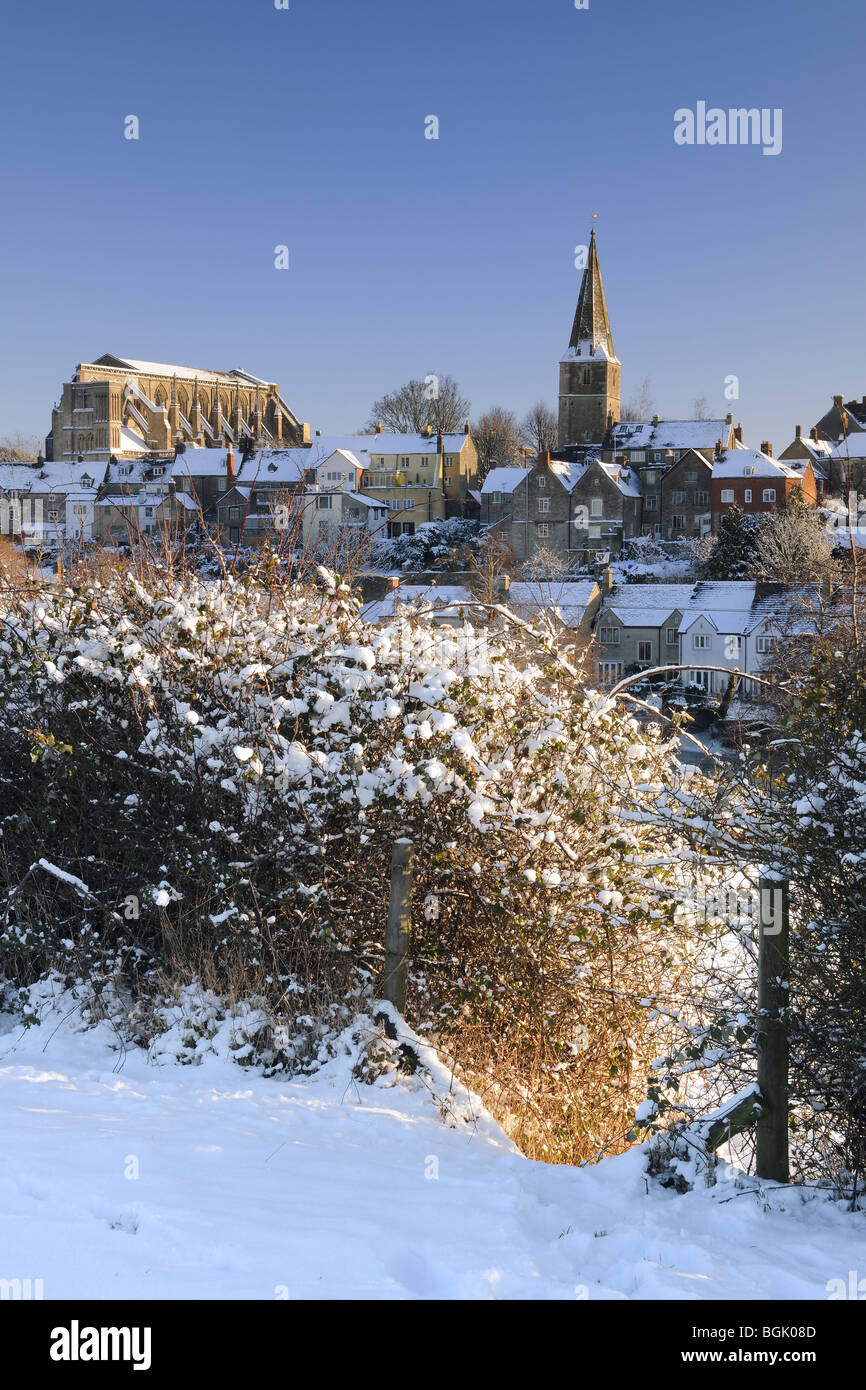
pixel 748 471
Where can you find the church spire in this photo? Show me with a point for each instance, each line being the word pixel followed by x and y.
pixel 591 328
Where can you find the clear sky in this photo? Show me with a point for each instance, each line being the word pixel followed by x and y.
pixel 305 127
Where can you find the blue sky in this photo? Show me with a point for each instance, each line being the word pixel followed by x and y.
pixel 305 127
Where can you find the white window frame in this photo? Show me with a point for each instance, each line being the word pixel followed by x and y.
pixel 702 641
pixel 727 494
pixel 671 637
pixel 769 494
pixel 610 636
pixel 544 504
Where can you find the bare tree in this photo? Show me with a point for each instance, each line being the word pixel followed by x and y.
pixel 641 405
pixel 792 545
pixel 539 427
pixel 434 402
pixel 497 439
pixel 20 448
pixel 701 408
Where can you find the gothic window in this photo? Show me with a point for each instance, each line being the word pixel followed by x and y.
pixel 586 375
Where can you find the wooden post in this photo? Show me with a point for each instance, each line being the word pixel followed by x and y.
pixel 771 1146
pixel 399 926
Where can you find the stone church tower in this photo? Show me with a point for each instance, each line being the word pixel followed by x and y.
pixel 589 373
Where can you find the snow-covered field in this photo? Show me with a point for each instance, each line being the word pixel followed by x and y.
pixel 123 1179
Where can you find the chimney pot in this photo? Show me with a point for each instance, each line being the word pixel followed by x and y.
pixel 378 426
pixel 766 448
pixel 718 449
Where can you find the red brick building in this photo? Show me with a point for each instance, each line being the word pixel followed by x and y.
pixel 757 483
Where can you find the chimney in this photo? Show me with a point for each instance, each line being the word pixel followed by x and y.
pixel 544 459
pixel 798 431
pixel 838 400
pixel 467 428
pixel 813 433
pixel 729 419
pixel 230 467
pixel 717 452
pixel 766 448
pixel 378 426
pixel 738 433
pixel 656 420
pixel 318 433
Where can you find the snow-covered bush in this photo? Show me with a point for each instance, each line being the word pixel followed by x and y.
pixel 434 544
pixel 203 780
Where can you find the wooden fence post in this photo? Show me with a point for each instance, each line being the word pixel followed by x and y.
pixel 771 1139
pixel 399 926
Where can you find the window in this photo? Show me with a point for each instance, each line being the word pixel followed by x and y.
pixel 702 641
pixel 702 678
pixel 542 481
pixel 748 471
pixel 323 504
pixel 408 506
pixel 748 494
pixel 702 498
pixel 692 476
pixel 234 534
pixel 644 651
pixel 234 513
pixel 148 511
pixel 448 477
pixel 763 645
pixel 543 530
pixel 727 494
pixel 609 671
pixel 596 506
pixel 769 494
pixel 586 376
pixel 404 463
pixel 650 476
pixel 449 459
pixel 671 636
pixel 610 636
pixel 595 532
pixel 336 477
pixel 678 497
pixel 638 455
pixel 733 646
pixel 496 498
pixel 657 458
pixel 544 504
pixel 651 504
pixel 678 521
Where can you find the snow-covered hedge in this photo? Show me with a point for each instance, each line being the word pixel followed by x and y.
pixel 203 780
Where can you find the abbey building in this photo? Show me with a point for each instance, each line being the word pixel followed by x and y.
pixel 123 408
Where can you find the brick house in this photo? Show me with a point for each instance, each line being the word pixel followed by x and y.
pixel 757 483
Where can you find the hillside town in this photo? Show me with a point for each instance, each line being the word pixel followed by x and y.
pixel 142 450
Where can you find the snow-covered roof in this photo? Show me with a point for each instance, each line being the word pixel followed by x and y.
pixel 569 599
pixel 669 434
pixel 423 594
pixel 366 501
pixel 853 447
pixel 503 479
pixel 49 477
pixel 623 478
pixel 734 463
pixel 187 373
pixel 131 443
pixel 276 466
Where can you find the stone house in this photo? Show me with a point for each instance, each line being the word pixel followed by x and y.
pixel 680 504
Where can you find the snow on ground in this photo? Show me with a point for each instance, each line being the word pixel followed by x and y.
pixel 322 1187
